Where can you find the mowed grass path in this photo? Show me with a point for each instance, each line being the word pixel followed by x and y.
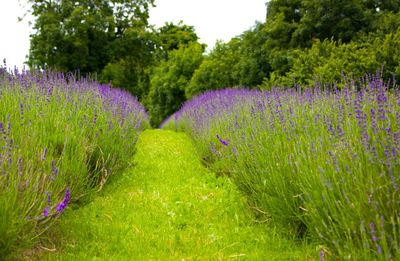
pixel 168 206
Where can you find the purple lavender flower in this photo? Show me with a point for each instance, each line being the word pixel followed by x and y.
pixel 54 170
pixel 20 167
pixel 373 233
pixel 44 154
pixel 321 255
pixel 212 147
pixel 224 142
pixel 45 212
pixel 63 204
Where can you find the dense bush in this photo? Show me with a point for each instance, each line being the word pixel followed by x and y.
pixel 60 139
pixel 326 62
pixel 322 162
pixel 170 79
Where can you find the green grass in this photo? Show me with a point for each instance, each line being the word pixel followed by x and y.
pixel 167 206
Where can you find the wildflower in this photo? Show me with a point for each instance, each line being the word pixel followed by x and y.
pixel 212 148
pixel 322 255
pixel 62 205
pixel 44 154
pixel 54 170
pixel 373 233
pixel 45 212
pixel 224 142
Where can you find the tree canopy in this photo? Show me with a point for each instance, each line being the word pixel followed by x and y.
pixel 81 35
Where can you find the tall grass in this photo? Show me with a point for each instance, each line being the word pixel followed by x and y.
pixel 61 138
pixel 324 162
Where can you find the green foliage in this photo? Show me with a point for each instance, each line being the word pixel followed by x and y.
pixel 217 71
pixel 294 25
pixel 240 62
pixel 172 37
pixel 170 79
pixel 326 62
pixel 132 58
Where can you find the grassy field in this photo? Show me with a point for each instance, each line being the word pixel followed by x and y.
pixel 168 206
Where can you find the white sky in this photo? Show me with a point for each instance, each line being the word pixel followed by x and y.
pixel 213 20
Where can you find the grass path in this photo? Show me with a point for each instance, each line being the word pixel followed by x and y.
pixel 169 207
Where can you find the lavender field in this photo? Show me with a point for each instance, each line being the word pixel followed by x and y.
pixel 322 161
pixel 61 139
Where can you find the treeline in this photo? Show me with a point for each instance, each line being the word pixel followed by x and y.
pixel 301 42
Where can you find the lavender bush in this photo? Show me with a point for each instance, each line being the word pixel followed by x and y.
pixel 323 161
pixel 60 139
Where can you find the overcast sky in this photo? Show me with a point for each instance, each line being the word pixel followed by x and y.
pixel 213 20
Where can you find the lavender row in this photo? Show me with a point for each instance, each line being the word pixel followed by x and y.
pixel 61 139
pixel 323 160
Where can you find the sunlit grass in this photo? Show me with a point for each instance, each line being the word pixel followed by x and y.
pixel 169 207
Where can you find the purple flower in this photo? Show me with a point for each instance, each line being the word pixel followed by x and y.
pixel 46 211
pixel 322 255
pixel 373 233
pixel 54 170
pixel 44 154
pixel 212 148
pixel 224 142
pixel 62 205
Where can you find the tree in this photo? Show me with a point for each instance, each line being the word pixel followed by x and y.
pixel 326 19
pixel 218 70
pixel 132 58
pixel 172 36
pixel 81 35
pixel 253 63
pixel 170 79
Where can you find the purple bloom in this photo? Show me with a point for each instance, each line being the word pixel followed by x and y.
pixel 54 170
pixel 44 154
pixel 373 233
pixel 20 167
pixel 322 255
pixel 46 211
pixel 212 148
pixel 224 142
pixel 62 205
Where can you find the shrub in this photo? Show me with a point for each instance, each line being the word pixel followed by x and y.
pixel 322 162
pixel 61 138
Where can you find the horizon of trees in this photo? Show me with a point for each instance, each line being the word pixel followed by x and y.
pixel 301 42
